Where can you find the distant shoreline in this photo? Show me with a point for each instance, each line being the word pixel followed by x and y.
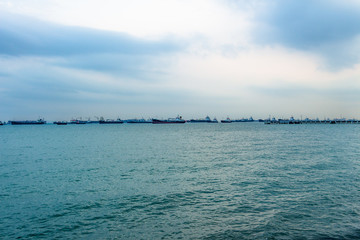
pixel 268 121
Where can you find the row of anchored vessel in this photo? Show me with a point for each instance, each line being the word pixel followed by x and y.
pixel 179 120
pixel 176 120
pixel 291 120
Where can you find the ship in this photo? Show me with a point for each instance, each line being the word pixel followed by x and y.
pixel 178 119
pixel 142 120
pixel 93 121
pixel 28 122
pixel 77 121
pixel 1 123
pixel 227 120
pixel 205 120
pixel 244 120
pixel 110 121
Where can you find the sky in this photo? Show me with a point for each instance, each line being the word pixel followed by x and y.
pixel 62 59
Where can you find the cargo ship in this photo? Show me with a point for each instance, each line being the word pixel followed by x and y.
pixel 110 121
pixel 205 120
pixel 92 121
pixel 244 120
pixel 28 122
pixel 77 121
pixel 169 120
pixel 227 120
pixel 142 120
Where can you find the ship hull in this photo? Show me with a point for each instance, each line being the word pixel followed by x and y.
pixel 60 123
pixel 241 120
pixel 138 121
pixel 111 122
pixel 78 122
pixel 27 122
pixel 225 121
pixel 156 121
pixel 202 121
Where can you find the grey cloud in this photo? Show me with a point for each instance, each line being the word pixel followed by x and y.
pixel 37 59
pixel 27 36
pixel 49 84
pixel 329 28
pixel 139 67
pixel 82 48
pixel 37 81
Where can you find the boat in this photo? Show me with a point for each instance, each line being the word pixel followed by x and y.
pixel 142 120
pixel 178 119
pixel 60 123
pixel 227 120
pixel 271 121
pixel 28 122
pixel 243 120
pixel 77 121
pixel 1 123
pixel 110 121
pixel 205 120
pixel 92 121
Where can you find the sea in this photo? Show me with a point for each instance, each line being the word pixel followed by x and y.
pixel 180 181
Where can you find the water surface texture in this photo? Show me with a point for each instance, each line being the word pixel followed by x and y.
pixel 190 181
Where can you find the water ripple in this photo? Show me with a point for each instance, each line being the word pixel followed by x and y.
pixel 237 181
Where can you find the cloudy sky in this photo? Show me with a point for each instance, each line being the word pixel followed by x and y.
pixel 61 59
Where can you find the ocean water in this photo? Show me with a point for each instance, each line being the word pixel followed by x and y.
pixel 190 181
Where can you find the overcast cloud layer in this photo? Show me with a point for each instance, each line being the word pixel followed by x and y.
pixel 60 59
pixel 329 28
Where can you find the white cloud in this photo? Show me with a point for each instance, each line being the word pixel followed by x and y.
pixel 141 18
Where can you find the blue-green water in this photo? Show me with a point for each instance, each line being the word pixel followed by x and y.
pixel 191 181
